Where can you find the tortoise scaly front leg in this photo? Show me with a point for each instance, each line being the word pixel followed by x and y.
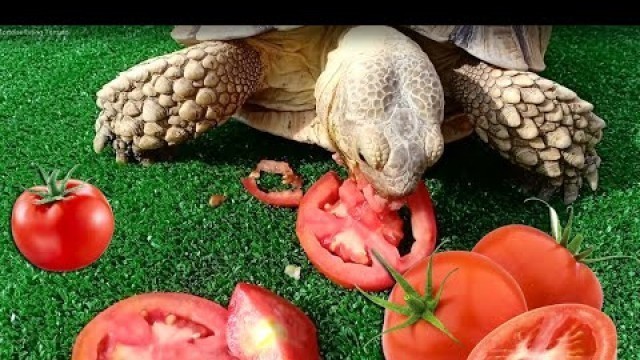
pixel 169 99
pixel 534 122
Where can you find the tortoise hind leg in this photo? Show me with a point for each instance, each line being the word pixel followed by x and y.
pixel 167 100
pixel 534 122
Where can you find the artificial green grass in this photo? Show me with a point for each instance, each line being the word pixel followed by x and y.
pixel 168 239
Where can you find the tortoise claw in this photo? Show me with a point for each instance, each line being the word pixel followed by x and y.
pixel 102 138
pixel 99 143
pixel 592 179
pixel 121 157
pixel 128 153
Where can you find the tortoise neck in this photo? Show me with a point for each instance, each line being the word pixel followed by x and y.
pixel 292 62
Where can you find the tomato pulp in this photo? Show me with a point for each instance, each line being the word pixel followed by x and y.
pixel 339 224
pixel 265 326
pixel 156 326
pixel 562 331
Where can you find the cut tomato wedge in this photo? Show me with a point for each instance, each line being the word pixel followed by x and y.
pixel 555 332
pixel 156 326
pixel 339 224
pixel 265 326
pixel 285 198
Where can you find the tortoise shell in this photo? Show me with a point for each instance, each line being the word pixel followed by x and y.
pixel 514 47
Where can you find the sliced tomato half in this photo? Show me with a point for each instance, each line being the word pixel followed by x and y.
pixel 156 326
pixel 265 326
pixel 339 224
pixel 564 331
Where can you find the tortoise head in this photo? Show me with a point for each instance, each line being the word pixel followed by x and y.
pixel 391 151
pixel 386 116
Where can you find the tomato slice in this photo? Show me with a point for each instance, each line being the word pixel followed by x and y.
pixel 285 198
pixel 339 224
pixel 263 325
pixel 156 326
pixel 562 332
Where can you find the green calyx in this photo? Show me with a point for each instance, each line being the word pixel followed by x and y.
pixel 418 307
pixel 56 189
pixel 573 242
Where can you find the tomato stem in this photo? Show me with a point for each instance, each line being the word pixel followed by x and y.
pixel 436 300
pixel 573 245
pixel 418 307
pixel 604 258
pixel 55 189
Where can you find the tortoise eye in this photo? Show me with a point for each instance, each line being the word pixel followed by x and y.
pixel 375 164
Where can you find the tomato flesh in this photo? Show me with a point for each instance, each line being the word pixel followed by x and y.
pixel 339 224
pixel 156 326
pixel 153 336
pixel 263 325
pixel 350 224
pixel 555 332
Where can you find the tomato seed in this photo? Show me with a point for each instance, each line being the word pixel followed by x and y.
pixel 170 319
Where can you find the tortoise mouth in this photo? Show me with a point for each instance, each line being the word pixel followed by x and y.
pixel 380 183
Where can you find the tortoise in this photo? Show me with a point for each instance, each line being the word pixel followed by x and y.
pixel 385 100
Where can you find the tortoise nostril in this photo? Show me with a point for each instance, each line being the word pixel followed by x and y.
pixel 361 156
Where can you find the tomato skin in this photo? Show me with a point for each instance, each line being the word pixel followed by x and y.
pixel 65 235
pixel 113 321
pixel 373 277
pixel 597 340
pixel 250 308
pixel 476 299
pixel 286 198
pixel 546 271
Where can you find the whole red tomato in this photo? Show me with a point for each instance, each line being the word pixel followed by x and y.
pixel 547 272
pixel 443 306
pixel 550 270
pixel 62 226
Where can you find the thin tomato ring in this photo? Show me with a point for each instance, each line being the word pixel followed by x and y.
pixel 285 198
